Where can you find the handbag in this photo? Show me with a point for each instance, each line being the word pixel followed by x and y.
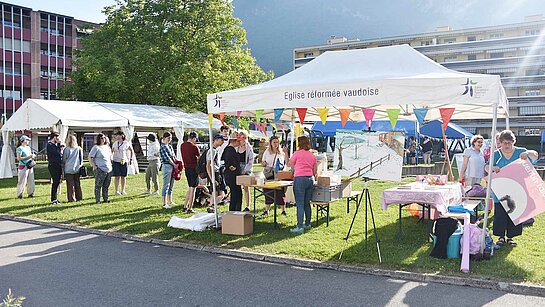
pixel 30 164
pixel 83 171
pixel 268 171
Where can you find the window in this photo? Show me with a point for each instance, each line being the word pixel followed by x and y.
pixel 532 93
pixel 11 94
pixel 15 45
pixel 471 38
pixel 496 55
pixel 43 94
pixel 309 55
pixel 496 35
pixel 449 40
pixel 426 43
pixel 532 72
pixel 532 32
pixel 450 59
pixel 471 57
pixel 536 110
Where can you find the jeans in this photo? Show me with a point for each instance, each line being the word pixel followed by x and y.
pixel 102 182
pixel 152 174
pixel 56 172
pixel 73 187
pixel 168 180
pixel 302 190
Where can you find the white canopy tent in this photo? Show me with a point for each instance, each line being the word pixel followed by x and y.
pixel 397 77
pixel 58 115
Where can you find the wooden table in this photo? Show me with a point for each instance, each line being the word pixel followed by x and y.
pixel 259 190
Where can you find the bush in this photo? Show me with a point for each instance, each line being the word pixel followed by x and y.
pixel 11 301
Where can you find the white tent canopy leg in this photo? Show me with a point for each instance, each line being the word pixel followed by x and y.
pixel 7 163
pixel 180 135
pixel 129 134
pixel 62 130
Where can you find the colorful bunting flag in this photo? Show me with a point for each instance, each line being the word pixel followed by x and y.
pixel 420 115
pixel 322 112
pixel 393 114
pixel 298 129
pixel 264 128
pixel 235 122
pixel 258 114
pixel 238 113
pixel 345 114
pixel 446 114
pixel 210 119
pixel 274 126
pixel 302 112
pixel 368 114
pixel 221 116
pixel 278 114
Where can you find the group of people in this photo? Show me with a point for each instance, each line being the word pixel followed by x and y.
pixel 475 167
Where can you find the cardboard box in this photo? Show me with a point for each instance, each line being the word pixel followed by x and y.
pixel 246 180
pixel 328 180
pixel 285 175
pixel 237 223
pixel 346 186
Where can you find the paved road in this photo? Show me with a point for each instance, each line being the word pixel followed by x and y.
pixel 55 267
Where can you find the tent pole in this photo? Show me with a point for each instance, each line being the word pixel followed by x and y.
pixel 489 182
pixel 292 133
pixel 417 137
pixel 213 175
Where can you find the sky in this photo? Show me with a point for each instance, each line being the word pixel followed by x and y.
pixel 275 27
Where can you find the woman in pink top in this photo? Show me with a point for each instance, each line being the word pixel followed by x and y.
pixel 304 163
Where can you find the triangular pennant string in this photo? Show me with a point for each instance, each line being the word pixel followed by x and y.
pixel 393 114
pixel 345 114
pixel 446 114
pixel 238 113
pixel 420 115
pixel 264 128
pixel 278 114
pixel 235 122
pixel 221 116
pixel 368 114
pixel 302 112
pixel 258 114
pixel 323 112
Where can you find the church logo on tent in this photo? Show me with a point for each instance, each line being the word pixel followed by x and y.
pixel 217 99
pixel 469 87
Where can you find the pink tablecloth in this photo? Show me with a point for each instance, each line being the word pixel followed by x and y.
pixel 439 197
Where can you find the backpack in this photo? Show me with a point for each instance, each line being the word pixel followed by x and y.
pixel 201 165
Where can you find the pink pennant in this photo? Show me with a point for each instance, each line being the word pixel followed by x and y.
pixel 368 114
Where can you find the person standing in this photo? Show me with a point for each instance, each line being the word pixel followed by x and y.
pixel 72 160
pixel 304 164
pixel 472 171
pixel 100 158
pixel 190 155
pixel 167 165
pixel 232 170
pixel 54 160
pixel 213 165
pixel 273 160
pixel 154 163
pixel 427 147
pixel 25 174
pixel 412 150
pixel 225 131
pixel 122 158
pixel 505 155
pixel 246 158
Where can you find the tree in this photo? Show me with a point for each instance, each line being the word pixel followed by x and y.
pixel 168 52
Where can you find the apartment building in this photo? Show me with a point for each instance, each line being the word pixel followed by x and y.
pixel 36 54
pixel 515 52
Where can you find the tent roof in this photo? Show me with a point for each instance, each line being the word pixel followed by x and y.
pixel 380 78
pixel 433 129
pixel 330 127
pixel 43 114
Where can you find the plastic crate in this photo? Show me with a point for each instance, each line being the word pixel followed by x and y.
pixel 454 244
pixel 326 194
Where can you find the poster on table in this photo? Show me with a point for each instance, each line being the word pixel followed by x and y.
pixel 373 155
pixel 520 190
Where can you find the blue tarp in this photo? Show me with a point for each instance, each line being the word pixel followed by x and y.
pixel 433 129
pixel 330 127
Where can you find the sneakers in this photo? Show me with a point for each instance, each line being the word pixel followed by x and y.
pixel 117 193
pixel 20 196
pixel 107 201
pixel 123 193
pixel 210 210
pixel 147 193
pixel 246 209
pixel 29 196
pixel 297 230
pixel 55 202
pixel 265 213
pixel 307 227
pixel 155 193
pixel 284 213
pixel 166 206
pixel 190 211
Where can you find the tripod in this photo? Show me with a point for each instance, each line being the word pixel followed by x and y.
pixel 367 196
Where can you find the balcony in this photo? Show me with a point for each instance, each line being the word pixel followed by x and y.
pixel 528 61
pixel 524 81
pixel 478 46
pixel 56 39
pixel 55 61
pixel 16 56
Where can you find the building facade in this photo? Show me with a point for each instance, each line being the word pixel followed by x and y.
pixel 515 52
pixel 36 54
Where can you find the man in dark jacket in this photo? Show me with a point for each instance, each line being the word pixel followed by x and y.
pixel 54 158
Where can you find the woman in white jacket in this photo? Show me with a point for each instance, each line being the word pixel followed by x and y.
pixel 246 158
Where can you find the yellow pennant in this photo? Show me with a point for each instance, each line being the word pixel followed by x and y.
pixel 298 130
pixel 210 119
pixel 322 112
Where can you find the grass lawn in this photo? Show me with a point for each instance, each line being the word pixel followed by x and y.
pixel 143 215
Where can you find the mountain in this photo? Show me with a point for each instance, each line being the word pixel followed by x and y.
pixel 275 27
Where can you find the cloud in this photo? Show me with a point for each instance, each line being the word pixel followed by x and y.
pixel 445 7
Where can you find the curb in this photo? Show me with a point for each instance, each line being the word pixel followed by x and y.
pixel 504 286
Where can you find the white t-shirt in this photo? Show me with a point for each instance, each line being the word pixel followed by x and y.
pixel 475 164
pixel 121 151
pixel 153 148
pixel 270 158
